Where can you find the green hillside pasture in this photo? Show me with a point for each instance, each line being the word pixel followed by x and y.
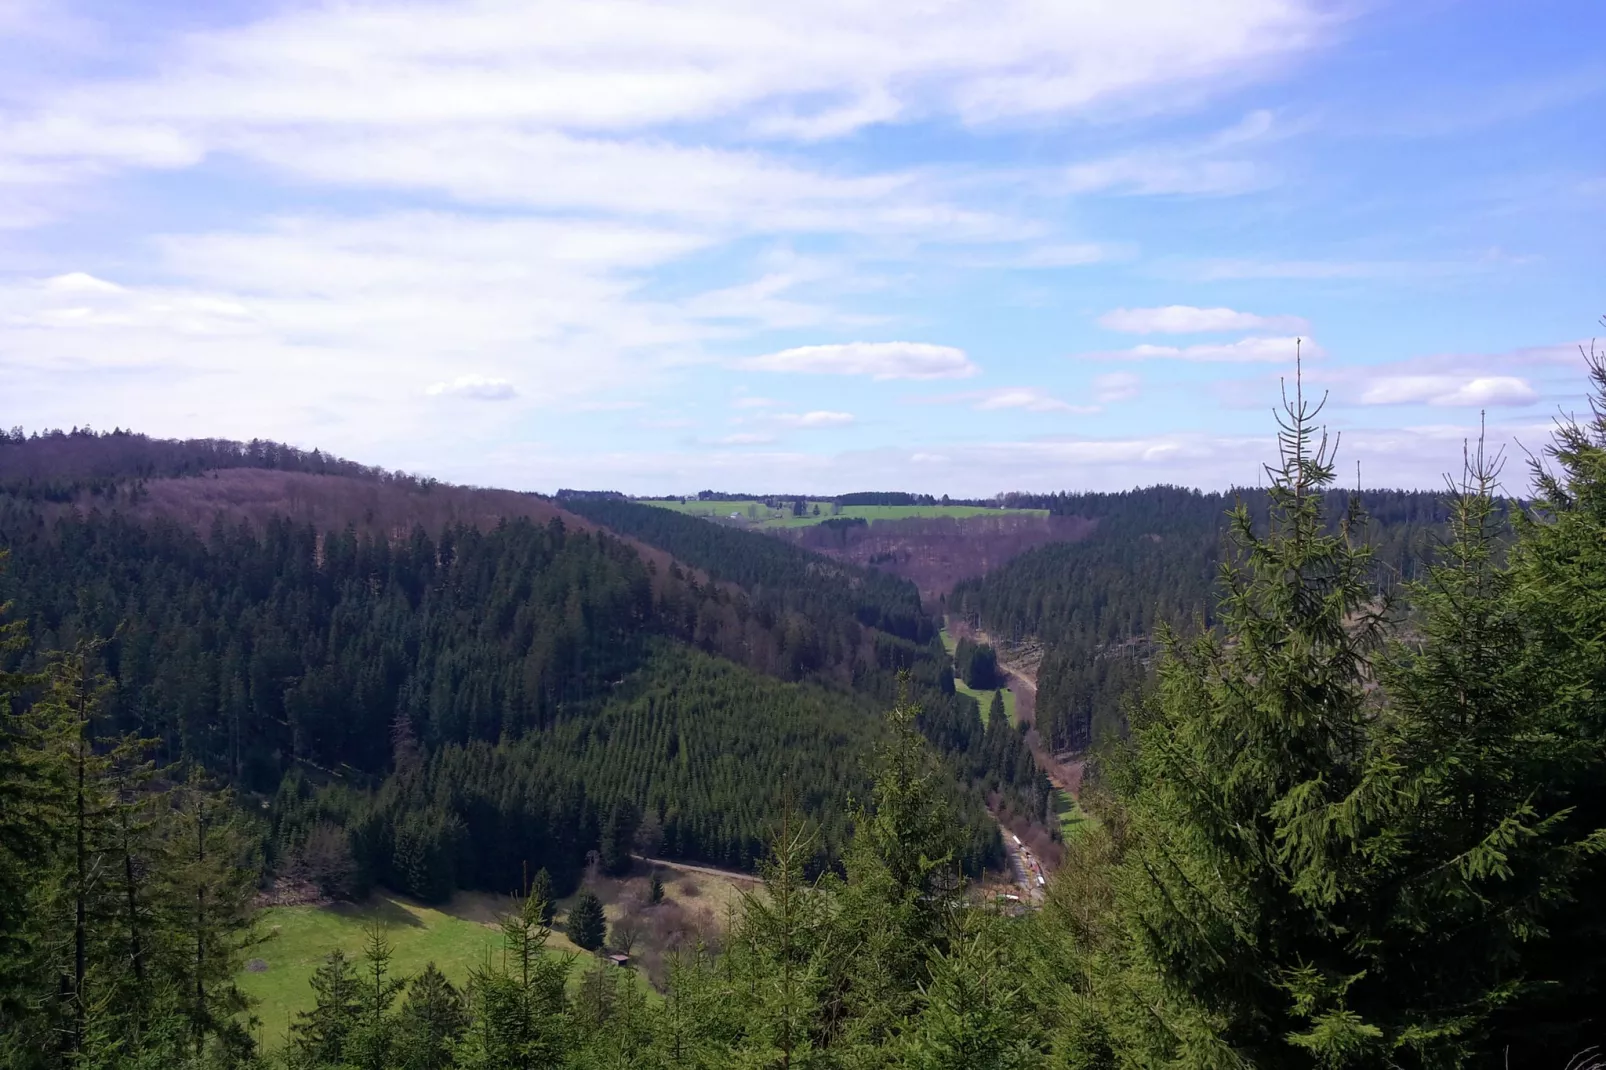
pixel 301 937
pixel 457 938
pixel 760 515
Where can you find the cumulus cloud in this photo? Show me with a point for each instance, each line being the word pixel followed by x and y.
pixel 1186 319
pixel 473 387
pixel 878 360
pixel 746 438
pixel 1449 390
pixel 812 420
pixel 1243 351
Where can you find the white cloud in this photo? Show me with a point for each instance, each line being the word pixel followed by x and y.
pixel 80 282
pixel 1116 386
pixel 745 439
pixel 1447 390
pixel 878 360
pixel 750 402
pixel 1416 456
pixel 570 104
pixel 1029 398
pixel 475 387
pixel 1243 351
pixel 807 70
pixel 1186 319
pixel 1026 398
pixel 1178 169
pixel 812 420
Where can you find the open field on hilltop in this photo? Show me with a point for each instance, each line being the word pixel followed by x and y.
pixel 760 515
pixel 457 936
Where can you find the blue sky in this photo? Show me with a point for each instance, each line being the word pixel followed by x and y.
pixel 819 246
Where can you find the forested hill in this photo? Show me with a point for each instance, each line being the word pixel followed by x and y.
pixel 775 573
pixel 1153 558
pixel 311 642
pixel 57 465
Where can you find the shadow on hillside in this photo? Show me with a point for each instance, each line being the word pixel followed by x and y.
pixel 383 908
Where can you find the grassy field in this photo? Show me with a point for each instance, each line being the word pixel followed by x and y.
pixel 1073 819
pixel 456 937
pixel 984 699
pixel 760 515
pixel 299 938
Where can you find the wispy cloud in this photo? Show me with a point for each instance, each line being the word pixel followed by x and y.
pixel 473 387
pixel 1186 319
pixel 1025 398
pixel 1243 351
pixel 820 418
pixel 877 360
pixel 1205 167
pixel 1116 386
pixel 1488 390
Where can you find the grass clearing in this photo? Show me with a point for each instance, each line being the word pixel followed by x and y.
pixel 301 938
pixel 984 699
pixel 457 937
pixel 1073 819
pixel 757 514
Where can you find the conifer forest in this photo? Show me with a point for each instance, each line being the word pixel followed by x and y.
pixel 1342 753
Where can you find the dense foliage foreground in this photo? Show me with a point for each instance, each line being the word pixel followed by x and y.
pixel 1345 830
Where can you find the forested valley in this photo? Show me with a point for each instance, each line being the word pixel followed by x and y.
pixel 1348 763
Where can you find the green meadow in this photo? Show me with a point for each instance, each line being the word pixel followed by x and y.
pixel 457 939
pixel 1073 819
pixel 760 515
pixel 984 699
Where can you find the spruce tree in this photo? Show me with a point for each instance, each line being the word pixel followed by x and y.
pixel 519 1014
pixel 319 1036
pixel 371 1043
pixel 782 950
pixel 585 923
pixel 1239 870
pixel 973 1012
pixel 542 892
pixel 618 837
pixel 431 1020
pixel 1558 570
